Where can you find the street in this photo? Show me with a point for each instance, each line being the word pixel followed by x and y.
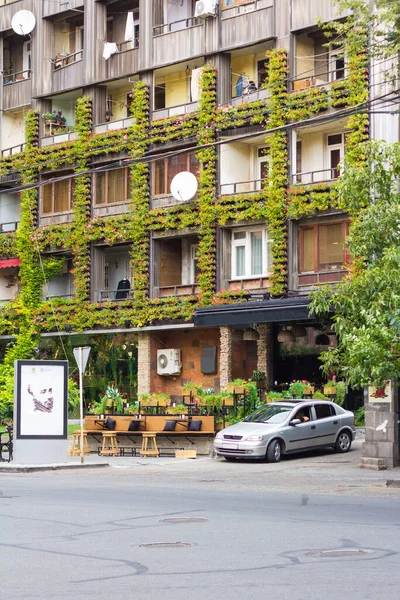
pixel 309 527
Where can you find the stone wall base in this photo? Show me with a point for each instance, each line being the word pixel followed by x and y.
pixel 375 464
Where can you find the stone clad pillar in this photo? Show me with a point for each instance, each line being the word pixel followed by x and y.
pixel 381 446
pixel 225 356
pixel 144 362
pixel 264 351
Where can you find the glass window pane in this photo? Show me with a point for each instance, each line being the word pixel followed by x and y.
pixel 334 139
pixel 116 186
pixel 194 164
pixel 269 256
pixel 100 188
pixel 308 250
pixel 240 261
pixel 239 235
pixel 47 199
pixel 159 178
pixel 330 248
pixel 335 160
pixel 176 164
pixel 256 252
pixel 61 196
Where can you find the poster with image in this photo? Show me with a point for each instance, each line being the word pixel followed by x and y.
pixel 42 398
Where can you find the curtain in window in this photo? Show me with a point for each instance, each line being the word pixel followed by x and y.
pixel 116 186
pixel 159 177
pixel 330 249
pixel 308 250
pixel 256 252
pixel 62 196
pixel 100 188
pixel 240 261
pixel 47 199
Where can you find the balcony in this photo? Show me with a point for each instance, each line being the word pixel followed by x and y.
pixel 244 166
pixel 247 22
pixel 179 40
pixel 323 175
pixel 241 187
pixel 175 267
pixel 67 71
pixel 9 227
pixel 111 273
pixel 172 111
pixel 13 150
pixel 318 155
pixel 250 97
pixel 17 89
pixel 66 135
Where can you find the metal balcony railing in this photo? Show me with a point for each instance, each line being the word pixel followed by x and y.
pixel 9 77
pixel 320 176
pixel 172 111
pixel 111 295
pixel 241 187
pixel 176 26
pixel 13 150
pixel 63 60
pixel 7 227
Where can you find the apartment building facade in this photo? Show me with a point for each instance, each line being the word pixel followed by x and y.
pixel 104 103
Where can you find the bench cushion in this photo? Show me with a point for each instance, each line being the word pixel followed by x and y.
pixel 134 426
pixel 110 424
pixel 195 425
pixel 169 426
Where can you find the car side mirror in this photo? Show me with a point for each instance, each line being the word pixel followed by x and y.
pixel 295 422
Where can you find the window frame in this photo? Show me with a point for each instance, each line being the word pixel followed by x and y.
pixel 333 147
pixel 106 173
pixel 315 227
pixel 334 53
pixel 266 241
pixel 166 168
pixel 53 184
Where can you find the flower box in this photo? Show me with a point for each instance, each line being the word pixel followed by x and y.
pixel 308 390
pixel 236 389
pixel 329 390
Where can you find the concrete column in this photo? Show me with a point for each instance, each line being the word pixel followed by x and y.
pixel 264 352
pixel 381 446
pixel 144 360
pixel 225 356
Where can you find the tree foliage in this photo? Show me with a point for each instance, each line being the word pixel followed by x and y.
pixel 366 305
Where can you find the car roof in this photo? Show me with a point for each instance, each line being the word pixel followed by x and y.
pixel 296 401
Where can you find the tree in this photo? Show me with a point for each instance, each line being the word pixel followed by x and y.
pixel 366 305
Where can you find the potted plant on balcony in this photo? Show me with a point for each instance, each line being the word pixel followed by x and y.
pixel 49 117
pixel 330 388
pixel 237 386
pixel 296 388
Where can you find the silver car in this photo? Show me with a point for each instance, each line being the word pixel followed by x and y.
pixel 286 427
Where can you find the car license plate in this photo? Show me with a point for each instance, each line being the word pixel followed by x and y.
pixel 229 446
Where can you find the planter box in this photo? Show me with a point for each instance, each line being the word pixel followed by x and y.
pixel 330 390
pixel 308 390
pixel 237 389
pixel 229 402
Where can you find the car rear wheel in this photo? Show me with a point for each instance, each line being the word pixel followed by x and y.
pixel 343 442
pixel 274 451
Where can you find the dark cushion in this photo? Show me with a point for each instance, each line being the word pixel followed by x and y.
pixel 134 425
pixel 110 424
pixel 170 426
pixel 195 425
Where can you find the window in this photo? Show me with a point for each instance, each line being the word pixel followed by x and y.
pixel 57 196
pixel 336 64
pixel 335 149
pixel 303 414
pixel 159 96
pixel 323 411
pixel 251 253
pixel 262 72
pixel 112 186
pixel 194 264
pixel 322 247
pixel 164 171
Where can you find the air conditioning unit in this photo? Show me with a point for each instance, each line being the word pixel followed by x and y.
pixel 206 8
pixel 169 362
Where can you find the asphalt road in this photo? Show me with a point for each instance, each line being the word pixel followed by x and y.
pixel 201 529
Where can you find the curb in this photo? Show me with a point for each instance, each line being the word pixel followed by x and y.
pixel 32 469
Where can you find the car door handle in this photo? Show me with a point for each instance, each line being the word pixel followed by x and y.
pixel 313 426
pixel 335 422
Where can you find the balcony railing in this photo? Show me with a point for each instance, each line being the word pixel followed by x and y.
pixel 232 11
pixel 13 150
pixel 63 60
pixel 173 111
pixel 241 187
pixel 58 296
pixel 112 125
pixel 176 290
pixel 112 295
pixel 66 135
pixel 176 25
pixel 130 45
pixel 260 94
pixel 7 227
pixel 315 78
pixel 15 77
pixel 321 176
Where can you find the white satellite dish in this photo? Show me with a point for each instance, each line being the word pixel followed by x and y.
pixel 23 22
pixel 184 186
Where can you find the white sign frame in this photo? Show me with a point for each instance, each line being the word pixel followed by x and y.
pixel 42 399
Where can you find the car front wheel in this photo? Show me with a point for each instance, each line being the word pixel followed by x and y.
pixel 274 451
pixel 343 442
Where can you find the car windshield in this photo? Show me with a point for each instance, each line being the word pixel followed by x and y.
pixel 270 414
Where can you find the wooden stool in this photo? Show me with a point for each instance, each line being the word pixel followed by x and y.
pixel 149 445
pixel 110 445
pixel 75 449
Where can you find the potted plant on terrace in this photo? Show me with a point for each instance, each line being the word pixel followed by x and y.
pixel 259 378
pixel 296 389
pixel 330 388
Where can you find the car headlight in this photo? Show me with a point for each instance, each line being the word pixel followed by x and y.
pixel 219 435
pixel 254 438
